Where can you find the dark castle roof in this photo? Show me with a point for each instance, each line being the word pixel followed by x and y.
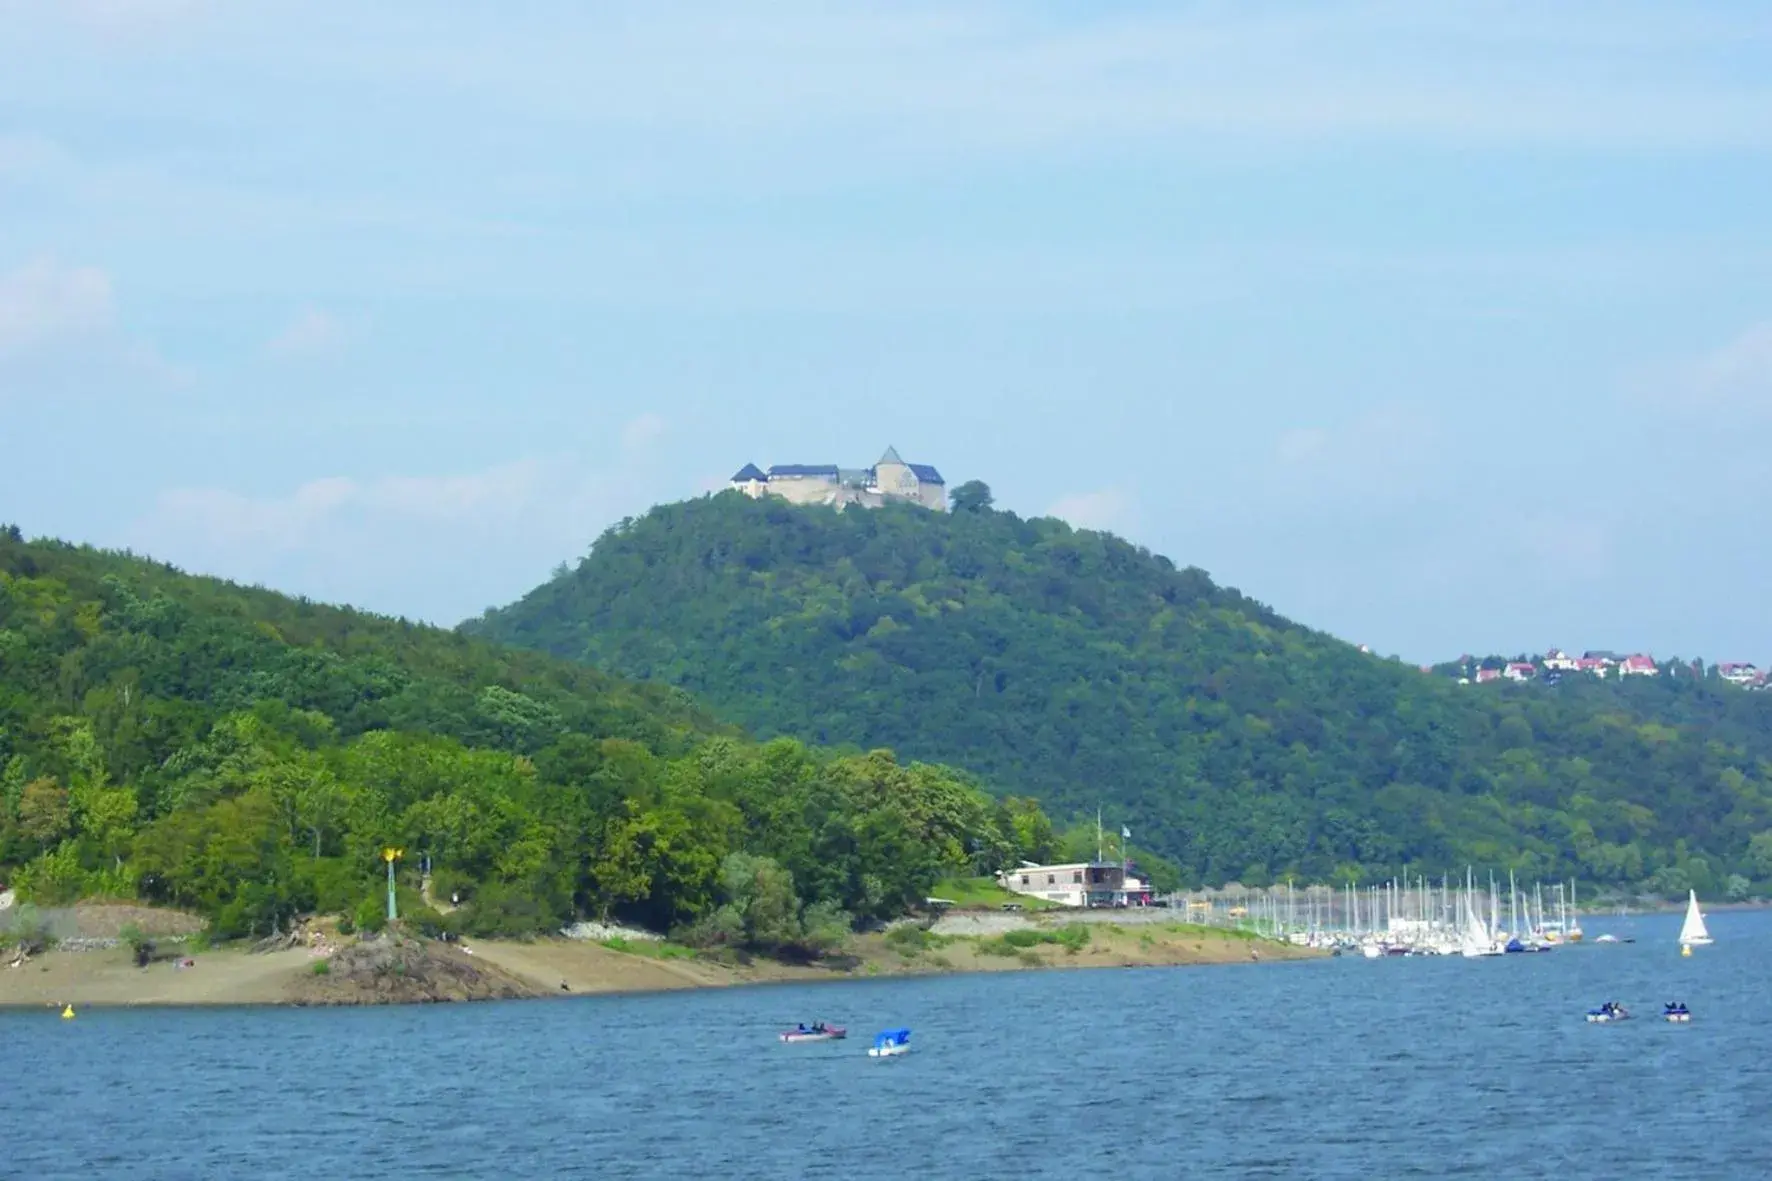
pixel 804 469
pixel 926 474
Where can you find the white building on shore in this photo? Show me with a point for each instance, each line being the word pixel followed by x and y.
pixel 1078 883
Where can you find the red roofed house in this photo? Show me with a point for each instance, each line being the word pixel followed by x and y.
pixel 1638 666
pixel 1594 665
pixel 1738 672
pixel 1519 670
pixel 1485 675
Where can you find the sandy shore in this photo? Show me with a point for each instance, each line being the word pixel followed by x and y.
pixel 238 977
pixel 110 977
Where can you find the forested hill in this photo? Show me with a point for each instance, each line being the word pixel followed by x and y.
pixel 1084 671
pixel 249 755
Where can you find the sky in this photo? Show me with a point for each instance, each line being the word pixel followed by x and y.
pixel 1444 328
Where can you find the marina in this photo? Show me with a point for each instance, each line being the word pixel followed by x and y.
pixel 1401 917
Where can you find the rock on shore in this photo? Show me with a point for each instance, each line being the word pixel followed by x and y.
pixel 394 969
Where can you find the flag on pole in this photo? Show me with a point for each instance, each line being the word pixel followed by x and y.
pixel 1125 833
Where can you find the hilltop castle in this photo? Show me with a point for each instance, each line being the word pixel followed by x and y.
pixel 891 478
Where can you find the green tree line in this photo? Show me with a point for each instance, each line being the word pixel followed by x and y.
pixel 246 755
pixel 1083 671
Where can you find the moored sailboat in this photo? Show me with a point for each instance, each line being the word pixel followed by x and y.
pixel 1475 939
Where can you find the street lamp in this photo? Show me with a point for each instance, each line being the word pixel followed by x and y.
pixel 390 856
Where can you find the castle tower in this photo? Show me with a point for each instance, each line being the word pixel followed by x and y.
pixel 893 477
pixel 750 480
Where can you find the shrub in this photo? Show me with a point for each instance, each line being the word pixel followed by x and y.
pixel 825 927
pixel 722 927
pixel 338 884
pixel 54 878
pixel 371 914
pixel 1073 937
pixel 28 933
pixel 908 938
pixel 426 921
pixel 502 910
pixel 140 946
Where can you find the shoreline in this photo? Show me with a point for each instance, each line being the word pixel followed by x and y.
pixel 509 969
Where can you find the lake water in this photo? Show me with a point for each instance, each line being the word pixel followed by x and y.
pixel 1340 1068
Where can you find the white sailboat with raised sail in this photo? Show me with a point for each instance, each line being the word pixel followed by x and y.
pixel 1475 939
pixel 1693 932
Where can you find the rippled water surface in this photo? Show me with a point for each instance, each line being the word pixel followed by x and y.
pixel 1340 1068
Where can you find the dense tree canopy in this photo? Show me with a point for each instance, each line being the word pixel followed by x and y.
pixel 1078 669
pixel 248 755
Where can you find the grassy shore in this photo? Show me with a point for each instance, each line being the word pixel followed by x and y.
pixel 477 969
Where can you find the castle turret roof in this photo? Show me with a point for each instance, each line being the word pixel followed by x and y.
pixel 891 456
pixel 747 473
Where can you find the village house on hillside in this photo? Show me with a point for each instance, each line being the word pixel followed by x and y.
pixel 890 479
pixel 1550 668
pixel 1740 672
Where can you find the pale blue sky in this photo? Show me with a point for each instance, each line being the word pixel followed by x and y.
pixel 1444 327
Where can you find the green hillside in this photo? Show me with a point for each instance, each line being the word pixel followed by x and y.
pixel 1079 669
pixel 248 755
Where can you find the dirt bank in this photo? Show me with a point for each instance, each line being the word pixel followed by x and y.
pixel 404 970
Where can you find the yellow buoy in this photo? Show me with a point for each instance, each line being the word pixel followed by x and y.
pixel 68 1013
pixel 1685 949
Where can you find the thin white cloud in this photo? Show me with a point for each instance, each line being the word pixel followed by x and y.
pixel 1111 509
pixel 312 333
pixel 1740 372
pixel 1389 454
pixel 227 518
pixel 1009 75
pixel 44 304
pixel 1721 387
pixel 1297 446
pixel 224 518
pixel 358 540
pixel 1388 436
pixel 113 17
pixel 59 334
pixel 641 432
pixel 30 157
pixel 1566 545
